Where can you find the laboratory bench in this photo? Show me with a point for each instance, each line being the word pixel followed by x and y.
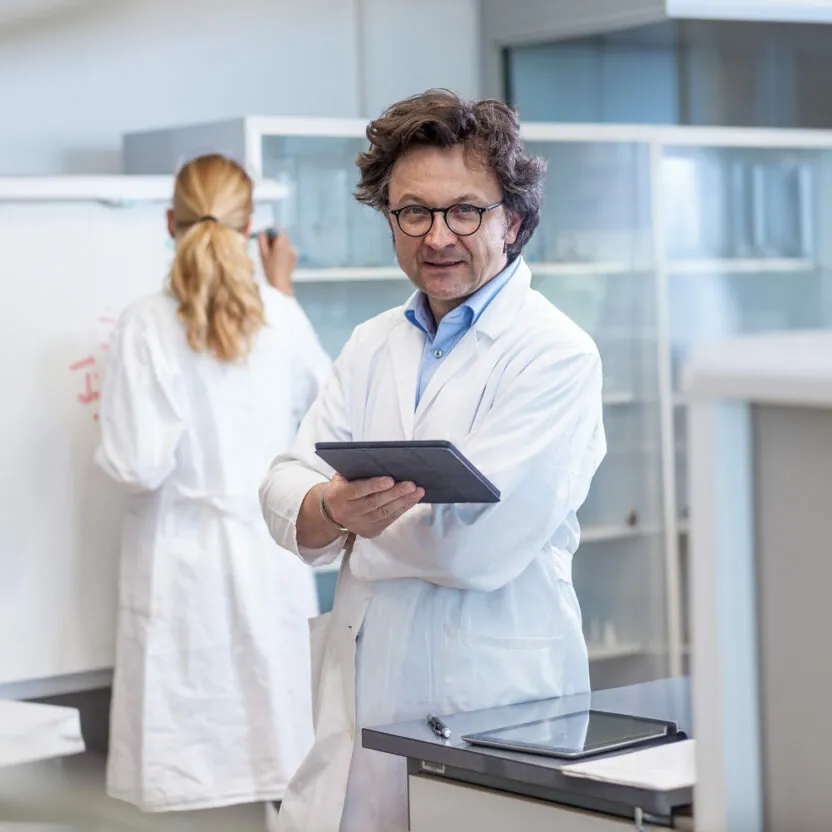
pixel 453 785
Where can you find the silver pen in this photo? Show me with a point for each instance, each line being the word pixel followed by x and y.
pixel 438 727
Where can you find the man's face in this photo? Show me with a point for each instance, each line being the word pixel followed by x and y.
pixel 446 267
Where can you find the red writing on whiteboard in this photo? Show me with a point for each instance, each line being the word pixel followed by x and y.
pixel 84 362
pixel 108 323
pixel 90 394
pixel 87 369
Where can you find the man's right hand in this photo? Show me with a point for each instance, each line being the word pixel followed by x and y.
pixel 368 507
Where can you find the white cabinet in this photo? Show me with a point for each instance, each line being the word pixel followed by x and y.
pixel 443 806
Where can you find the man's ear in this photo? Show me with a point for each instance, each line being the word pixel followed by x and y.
pixel 513 228
pixel 171 223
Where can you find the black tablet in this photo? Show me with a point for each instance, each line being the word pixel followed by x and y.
pixel 577 735
pixel 437 466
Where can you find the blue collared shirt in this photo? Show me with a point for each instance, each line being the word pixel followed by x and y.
pixel 439 341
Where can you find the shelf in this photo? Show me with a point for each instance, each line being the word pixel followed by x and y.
pixel 663 649
pixel 766 265
pixel 607 335
pixel 349 273
pixel 116 189
pixel 569 269
pixel 57 685
pixel 619 397
pixel 600 534
pixel 603 652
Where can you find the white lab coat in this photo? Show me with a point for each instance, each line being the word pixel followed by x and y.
pixel 211 700
pixel 455 607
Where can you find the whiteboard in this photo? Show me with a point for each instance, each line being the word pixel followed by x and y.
pixel 67 272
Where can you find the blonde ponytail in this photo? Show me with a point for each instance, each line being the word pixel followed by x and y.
pixel 212 274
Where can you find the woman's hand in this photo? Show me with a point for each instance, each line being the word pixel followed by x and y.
pixel 279 259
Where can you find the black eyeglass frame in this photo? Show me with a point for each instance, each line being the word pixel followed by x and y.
pixel 444 212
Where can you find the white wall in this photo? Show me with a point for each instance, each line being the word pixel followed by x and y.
pixel 411 46
pixel 73 82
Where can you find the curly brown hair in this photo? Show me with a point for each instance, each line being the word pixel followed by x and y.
pixel 487 129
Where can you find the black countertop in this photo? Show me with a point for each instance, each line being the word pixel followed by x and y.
pixel 533 775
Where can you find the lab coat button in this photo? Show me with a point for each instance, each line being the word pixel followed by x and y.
pixel 438 353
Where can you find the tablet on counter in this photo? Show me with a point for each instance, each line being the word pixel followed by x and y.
pixel 577 735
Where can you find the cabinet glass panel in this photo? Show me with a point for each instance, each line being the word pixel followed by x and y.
pixel 335 308
pixel 591 258
pixel 332 231
pixel 745 251
pixel 328 227
pixel 739 202
pixel 746 254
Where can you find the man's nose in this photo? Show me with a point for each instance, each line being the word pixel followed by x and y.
pixel 440 236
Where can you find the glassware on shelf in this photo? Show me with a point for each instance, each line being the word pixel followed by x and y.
pixel 780 225
pixel 594 203
pixel 740 218
pixel 320 210
pixel 323 191
pixel 738 203
pixel 370 238
pixel 534 250
pixel 695 204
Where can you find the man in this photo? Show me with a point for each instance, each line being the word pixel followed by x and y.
pixel 442 608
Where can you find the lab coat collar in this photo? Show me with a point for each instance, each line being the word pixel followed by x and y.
pixel 500 314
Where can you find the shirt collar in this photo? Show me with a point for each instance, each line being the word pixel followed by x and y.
pixel 417 309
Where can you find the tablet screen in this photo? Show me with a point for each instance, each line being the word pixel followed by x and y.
pixel 577 733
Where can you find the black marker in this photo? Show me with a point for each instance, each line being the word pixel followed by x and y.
pixel 271 233
pixel 438 727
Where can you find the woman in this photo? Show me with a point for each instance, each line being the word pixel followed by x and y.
pixel 205 384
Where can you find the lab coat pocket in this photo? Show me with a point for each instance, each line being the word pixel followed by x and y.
pixel 490 671
pixel 318 631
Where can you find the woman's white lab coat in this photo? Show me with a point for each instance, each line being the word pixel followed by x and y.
pixel 452 608
pixel 211 700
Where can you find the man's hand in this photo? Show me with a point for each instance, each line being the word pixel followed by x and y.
pixel 368 507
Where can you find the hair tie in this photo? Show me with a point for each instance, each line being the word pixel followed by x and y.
pixel 207 218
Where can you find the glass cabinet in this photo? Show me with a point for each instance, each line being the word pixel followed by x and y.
pixel 747 250
pixel 592 257
pixel 652 239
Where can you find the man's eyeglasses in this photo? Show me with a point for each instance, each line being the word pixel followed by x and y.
pixel 463 220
